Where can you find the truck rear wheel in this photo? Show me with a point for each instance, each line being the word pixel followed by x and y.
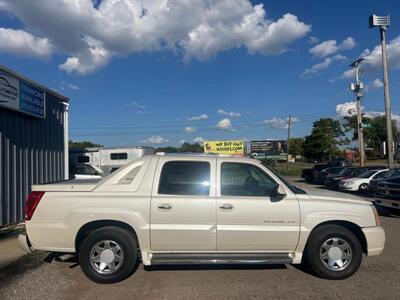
pixel 333 252
pixel 108 255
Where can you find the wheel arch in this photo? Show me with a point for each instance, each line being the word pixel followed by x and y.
pixel 352 227
pixel 89 227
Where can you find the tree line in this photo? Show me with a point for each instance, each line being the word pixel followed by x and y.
pixel 328 135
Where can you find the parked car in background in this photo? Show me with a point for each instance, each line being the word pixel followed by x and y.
pixel 360 182
pixel 309 173
pixel 373 184
pixel 199 209
pixel 388 194
pixel 333 181
pixel 320 176
pixel 340 162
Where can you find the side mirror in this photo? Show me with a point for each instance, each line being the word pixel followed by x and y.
pixel 278 193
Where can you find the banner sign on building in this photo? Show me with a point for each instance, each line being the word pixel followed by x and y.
pixel 273 149
pixel 224 147
pixel 22 96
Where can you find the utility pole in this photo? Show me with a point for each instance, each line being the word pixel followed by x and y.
pixel 288 138
pixel 358 89
pixel 383 23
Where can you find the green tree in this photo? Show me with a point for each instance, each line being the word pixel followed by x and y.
pixel 326 135
pixel 82 145
pixel 296 146
pixel 185 147
pixel 375 135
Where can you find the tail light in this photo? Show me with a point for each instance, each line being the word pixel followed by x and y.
pixel 31 203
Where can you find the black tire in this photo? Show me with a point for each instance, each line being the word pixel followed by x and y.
pixel 318 238
pixel 127 243
pixel 363 187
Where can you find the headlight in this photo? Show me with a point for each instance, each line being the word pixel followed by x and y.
pixel 348 183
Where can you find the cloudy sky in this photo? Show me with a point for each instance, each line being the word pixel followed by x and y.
pixel 160 72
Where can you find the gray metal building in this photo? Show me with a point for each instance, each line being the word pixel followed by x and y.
pixel 33 140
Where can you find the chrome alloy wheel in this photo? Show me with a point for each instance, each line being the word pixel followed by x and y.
pixel 335 253
pixel 106 257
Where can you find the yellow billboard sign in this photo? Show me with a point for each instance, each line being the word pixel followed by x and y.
pixel 224 147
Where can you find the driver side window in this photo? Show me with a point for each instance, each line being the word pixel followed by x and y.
pixel 241 179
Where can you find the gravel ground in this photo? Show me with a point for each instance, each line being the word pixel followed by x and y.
pixel 378 278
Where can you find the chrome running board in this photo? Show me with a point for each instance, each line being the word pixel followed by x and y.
pixel 219 258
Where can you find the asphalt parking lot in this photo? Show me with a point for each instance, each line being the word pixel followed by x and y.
pixel 378 278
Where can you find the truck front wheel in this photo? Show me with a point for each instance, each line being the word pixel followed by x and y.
pixel 108 255
pixel 333 252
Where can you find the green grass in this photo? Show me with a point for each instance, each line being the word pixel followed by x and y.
pixel 291 169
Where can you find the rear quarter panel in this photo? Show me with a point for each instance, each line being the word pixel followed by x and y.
pixel 59 215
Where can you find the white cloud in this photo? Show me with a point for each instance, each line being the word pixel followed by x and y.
pixel 376 83
pixel 330 47
pixel 325 64
pixel 373 59
pixel 155 140
pixel 316 68
pixel 73 86
pixel 349 109
pixel 92 34
pixel 197 118
pixel 93 57
pixel 136 104
pixel 198 140
pixel 346 109
pixel 22 43
pixel 279 122
pixel 190 129
pixel 229 113
pixel 348 74
pixel 64 86
pixel 224 124
pixel 313 40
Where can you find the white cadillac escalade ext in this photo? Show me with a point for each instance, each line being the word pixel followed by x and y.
pixel 195 209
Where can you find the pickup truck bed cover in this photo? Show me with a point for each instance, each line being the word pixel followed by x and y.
pixel 69 185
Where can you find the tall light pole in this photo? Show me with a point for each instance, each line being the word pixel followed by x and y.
pixel 383 23
pixel 288 138
pixel 358 89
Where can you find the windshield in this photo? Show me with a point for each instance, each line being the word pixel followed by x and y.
pixel 292 187
pixel 392 173
pixel 346 171
pixel 367 174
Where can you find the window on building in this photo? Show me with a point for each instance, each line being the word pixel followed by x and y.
pixel 119 156
pixel 185 178
pixel 239 179
pixel 83 159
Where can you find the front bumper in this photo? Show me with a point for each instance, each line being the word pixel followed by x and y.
pixel 24 243
pixel 375 237
pixel 351 188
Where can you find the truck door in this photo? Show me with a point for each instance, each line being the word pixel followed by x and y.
pixel 248 218
pixel 183 205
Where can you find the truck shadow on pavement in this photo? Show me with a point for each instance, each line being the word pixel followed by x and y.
pixel 22 265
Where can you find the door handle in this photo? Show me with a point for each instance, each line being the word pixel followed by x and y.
pixel 164 206
pixel 226 206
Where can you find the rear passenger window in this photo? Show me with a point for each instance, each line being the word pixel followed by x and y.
pixel 185 178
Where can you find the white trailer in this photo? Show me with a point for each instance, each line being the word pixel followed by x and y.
pixel 107 159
